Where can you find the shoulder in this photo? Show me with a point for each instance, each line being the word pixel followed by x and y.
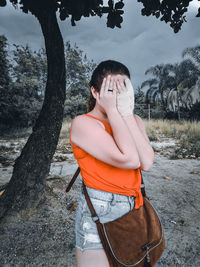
pixel 80 126
pixel 81 121
pixel 78 118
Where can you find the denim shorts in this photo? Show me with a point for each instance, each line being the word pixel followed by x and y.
pixel 108 207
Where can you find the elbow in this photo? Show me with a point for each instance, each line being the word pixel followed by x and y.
pixel 131 165
pixel 135 164
pixel 147 165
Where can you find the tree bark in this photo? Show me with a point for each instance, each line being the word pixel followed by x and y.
pixel 32 166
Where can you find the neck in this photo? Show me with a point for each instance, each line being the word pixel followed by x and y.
pixel 98 112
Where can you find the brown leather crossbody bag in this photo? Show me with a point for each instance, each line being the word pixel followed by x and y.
pixel 134 239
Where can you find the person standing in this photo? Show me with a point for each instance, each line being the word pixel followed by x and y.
pixel 111 146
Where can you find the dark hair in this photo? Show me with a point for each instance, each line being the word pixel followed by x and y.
pixel 102 70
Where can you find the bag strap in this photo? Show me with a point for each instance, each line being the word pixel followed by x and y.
pixel 95 218
pixel 78 171
pixel 73 179
pixel 143 186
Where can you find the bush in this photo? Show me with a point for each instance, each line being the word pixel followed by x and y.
pixel 75 105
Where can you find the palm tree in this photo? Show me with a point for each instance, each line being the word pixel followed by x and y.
pixel 186 72
pixel 185 76
pixel 173 76
pixel 194 52
pixel 160 83
pixel 152 90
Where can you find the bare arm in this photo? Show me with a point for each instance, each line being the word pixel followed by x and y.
pixel 86 133
pixel 123 138
pixel 134 123
pixel 144 148
pixel 117 151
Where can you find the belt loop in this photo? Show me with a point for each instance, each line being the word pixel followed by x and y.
pixel 113 201
pixel 131 200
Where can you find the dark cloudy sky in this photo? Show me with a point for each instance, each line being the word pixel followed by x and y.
pixel 142 42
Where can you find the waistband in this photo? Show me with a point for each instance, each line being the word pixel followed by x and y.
pixel 107 196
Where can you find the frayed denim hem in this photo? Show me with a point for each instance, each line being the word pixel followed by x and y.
pixel 89 248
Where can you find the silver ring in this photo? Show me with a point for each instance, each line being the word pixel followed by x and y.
pixel 110 90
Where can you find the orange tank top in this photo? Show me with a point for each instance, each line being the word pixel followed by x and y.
pixel 102 176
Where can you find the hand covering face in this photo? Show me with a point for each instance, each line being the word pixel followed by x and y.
pixel 125 99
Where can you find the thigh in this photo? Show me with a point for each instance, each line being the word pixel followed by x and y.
pixel 91 258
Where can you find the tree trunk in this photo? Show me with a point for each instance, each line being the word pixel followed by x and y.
pixel 32 166
pixel 178 111
pixel 162 98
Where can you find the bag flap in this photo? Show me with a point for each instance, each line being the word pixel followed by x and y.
pixel 131 235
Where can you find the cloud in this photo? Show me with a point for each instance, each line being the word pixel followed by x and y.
pixel 142 41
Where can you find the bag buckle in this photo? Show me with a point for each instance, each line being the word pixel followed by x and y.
pixel 95 218
pixel 145 247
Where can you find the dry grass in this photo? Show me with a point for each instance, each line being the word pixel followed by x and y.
pixel 65 129
pixel 154 128
pixel 173 129
pixel 64 133
pixel 187 133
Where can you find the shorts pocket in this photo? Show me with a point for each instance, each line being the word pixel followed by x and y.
pixel 119 209
pixel 101 207
pixel 116 211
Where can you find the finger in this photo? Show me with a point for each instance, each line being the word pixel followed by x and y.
pixel 102 87
pixel 129 85
pixel 122 85
pixel 124 82
pixel 107 84
pixel 114 92
pixel 111 82
pixel 115 86
pixel 119 86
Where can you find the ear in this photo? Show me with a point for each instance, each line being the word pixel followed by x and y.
pixel 93 91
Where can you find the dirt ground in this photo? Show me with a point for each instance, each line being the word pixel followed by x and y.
pixel 45 236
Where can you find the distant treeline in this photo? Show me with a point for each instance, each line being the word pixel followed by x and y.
pixel 175 88
pixel 23 74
